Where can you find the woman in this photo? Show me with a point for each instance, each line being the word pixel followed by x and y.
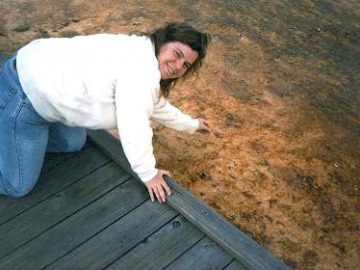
pixel 53 89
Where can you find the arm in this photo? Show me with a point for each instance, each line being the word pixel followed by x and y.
pixel 171 117
pixel 133 109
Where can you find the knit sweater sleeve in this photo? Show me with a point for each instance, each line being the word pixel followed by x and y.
pixel 171 117
pixel 134 106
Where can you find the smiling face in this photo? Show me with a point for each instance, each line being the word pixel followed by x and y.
pixel 174 59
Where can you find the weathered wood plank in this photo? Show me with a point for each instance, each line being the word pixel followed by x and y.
pixel 111 146
pixel 54 180
pixel 118 238
pixel 235 242
pixel 46 214
pixel 75 230
pixel 162 247
pixel 204 255
pixel 235 265
pixel 54 159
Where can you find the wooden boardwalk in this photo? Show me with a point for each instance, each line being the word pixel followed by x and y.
pixel 88 211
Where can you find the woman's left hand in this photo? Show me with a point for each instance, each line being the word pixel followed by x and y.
pixel 204 126
pixel 158 187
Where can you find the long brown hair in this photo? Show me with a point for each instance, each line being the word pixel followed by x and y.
pixel 184 33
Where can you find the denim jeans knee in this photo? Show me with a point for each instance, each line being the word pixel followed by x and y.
pixel 23 136
pixel 64 139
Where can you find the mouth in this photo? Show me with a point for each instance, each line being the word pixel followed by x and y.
pixel 169 70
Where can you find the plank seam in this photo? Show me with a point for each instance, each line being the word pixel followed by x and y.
pixel 55 192
pixel 140 242
pixel 185 251
pixel 92 236
pixel 230 238
pixel 64 219
pixel 233 260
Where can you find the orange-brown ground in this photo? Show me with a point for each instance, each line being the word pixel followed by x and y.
pixel 280 88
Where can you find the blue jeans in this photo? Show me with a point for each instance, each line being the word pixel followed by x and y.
pixel 25 136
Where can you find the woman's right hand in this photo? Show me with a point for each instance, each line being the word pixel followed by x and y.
pixel 204 126
pixel 158 186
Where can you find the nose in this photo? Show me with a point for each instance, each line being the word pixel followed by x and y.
pixel 179 65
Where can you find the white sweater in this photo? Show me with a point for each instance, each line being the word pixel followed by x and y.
pixel 101 81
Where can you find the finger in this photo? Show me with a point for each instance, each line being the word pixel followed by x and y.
pixel 162 193
pixel 165 173
pixel 167 189
pixel 207 125
pixel 205 130
pixel 164 184
pixel 203 125
pixel 157 193
pixel 151 194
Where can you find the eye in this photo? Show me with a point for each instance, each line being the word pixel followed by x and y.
pixel 178 55
pixel 187 65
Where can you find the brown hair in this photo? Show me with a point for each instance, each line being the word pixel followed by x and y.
pixel 184 33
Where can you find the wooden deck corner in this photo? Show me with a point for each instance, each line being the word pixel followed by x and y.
pixel 87 211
